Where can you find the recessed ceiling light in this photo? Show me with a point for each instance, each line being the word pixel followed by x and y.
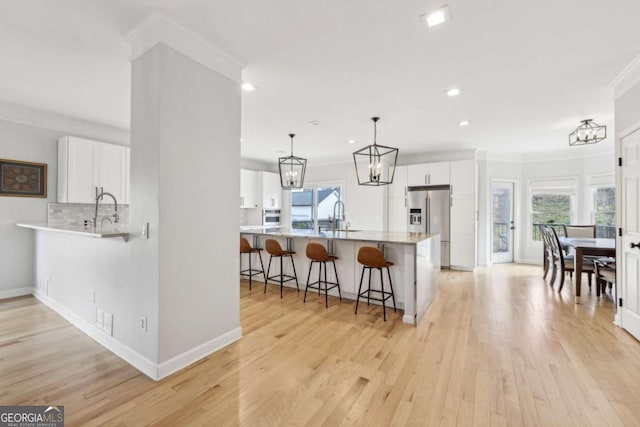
pixel 280 152
pixel 351 141
pixel 314 122
pixel 437 17
pixel 464 123
pixel 248 87
pixel 454 91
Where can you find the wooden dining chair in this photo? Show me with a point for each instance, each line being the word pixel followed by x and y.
pixel 561 261
pixel 578 231
pixel 605 271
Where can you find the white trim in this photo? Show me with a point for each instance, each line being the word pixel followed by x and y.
pixel 529 261
pixel 16 292
pixel 190 356
pixel 459 268
pixel 67 125
pixel 626 132
pixel 127 354
pixel 408 319
pixel 157 28
pixel 628 78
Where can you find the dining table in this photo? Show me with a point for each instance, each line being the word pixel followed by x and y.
pixel 584 246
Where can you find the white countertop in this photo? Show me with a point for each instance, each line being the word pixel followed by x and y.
pixel 357 235
pixel 106 232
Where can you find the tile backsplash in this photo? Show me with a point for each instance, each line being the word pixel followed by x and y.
pixel 77 213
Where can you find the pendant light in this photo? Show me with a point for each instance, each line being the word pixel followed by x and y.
pixel 292 170
pixel 588 132
pixel 375 164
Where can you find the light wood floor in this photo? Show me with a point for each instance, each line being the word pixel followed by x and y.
pixel 498 347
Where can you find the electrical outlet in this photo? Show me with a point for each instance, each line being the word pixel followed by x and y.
pixel 143 323
pixel 99 318
pixel 108 323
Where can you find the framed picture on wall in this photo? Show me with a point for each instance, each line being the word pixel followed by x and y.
pixel 23 179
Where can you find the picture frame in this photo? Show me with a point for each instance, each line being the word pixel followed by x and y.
pixel 23 179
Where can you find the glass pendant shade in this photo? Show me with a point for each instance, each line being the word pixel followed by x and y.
pixel 375 164
pixel 588 132
pixel 292 169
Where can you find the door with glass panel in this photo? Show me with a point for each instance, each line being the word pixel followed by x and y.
pixel 502 221
pixel 313 207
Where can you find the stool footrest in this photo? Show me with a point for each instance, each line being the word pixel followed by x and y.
pixel 330 285
pixel 251 272
pixel 277 278
pixel 367 294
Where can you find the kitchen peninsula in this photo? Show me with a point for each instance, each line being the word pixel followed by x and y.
pixel 416 258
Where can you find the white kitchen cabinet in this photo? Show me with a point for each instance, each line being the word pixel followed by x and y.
pixel 87 167
pixel 462 177
pixel 428 174
pixel 463 214
pixel 397 214
pixel 247 189
pixel 271 190
pixel 398 187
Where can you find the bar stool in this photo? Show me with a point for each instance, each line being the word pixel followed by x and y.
pixel 371 257
pixel 317 253
pixel 275 250
pixel 245 248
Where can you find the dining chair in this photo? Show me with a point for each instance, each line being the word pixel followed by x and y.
pixel 578 231
pixel 561 261
pixel 605 270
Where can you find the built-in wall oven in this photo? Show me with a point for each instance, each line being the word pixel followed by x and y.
pixel 271 217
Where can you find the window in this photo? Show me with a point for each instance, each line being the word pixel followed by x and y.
pixel 604 211
pixel 312 207
pixel 603 204
pixel 551 203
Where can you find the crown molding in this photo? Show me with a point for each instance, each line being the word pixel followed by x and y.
pixel 628 78
pixel 157 28
pixel 67 125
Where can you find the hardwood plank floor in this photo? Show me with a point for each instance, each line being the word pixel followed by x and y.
pixel 497 347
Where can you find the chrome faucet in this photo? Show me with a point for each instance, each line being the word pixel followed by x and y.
pixel 335 219
pixel 116 217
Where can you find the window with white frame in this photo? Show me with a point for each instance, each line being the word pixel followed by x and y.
pixel 603 204
pixel 551 202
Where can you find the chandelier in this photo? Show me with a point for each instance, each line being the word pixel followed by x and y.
pixel 375 164
pixel 292 169
pixel 588 132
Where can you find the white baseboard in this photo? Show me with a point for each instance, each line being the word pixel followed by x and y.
pixel 188 357
pixel 408 319
pixel 459 268
pixel 535 261
pixel 18 292
pixel 129 355
pixel 152 370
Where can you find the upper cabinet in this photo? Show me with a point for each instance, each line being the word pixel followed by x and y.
pixel 247 189
pixel 86 168
pixel 428 174
pixel 398 188
pixel 271 190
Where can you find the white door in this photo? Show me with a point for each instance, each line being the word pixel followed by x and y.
pixel 629 271
pixel 502 222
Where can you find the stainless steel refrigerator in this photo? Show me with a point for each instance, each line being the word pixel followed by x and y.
pixel 428 210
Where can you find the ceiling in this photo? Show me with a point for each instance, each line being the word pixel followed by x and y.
pixel 528 71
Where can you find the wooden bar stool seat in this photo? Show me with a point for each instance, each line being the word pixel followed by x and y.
pixel 317 253
pixel 245 248
pixel 370 258
pixel 275 250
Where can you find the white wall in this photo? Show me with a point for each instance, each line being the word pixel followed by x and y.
pixel 35 142
pixel 26 143
pixel 185 133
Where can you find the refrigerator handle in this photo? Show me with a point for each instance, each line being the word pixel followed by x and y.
pixel 427 216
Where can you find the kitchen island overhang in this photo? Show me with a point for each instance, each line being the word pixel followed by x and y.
pixel 416 258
